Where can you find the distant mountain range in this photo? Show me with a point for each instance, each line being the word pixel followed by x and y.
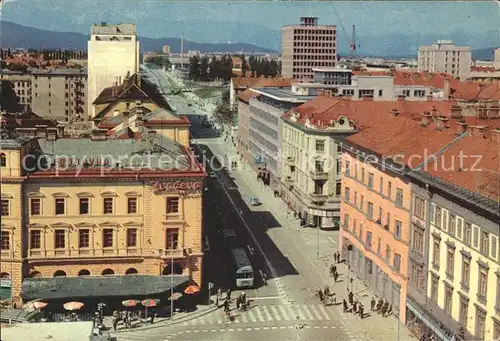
pixel 14 35
pixel 394 45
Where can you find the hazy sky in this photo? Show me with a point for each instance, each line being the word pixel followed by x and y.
pixel 370 18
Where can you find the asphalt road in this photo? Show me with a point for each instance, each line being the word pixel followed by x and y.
pixel 285 309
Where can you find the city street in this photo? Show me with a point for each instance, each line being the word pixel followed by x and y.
pixel 295 260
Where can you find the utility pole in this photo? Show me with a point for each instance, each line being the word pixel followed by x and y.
pixel 182 50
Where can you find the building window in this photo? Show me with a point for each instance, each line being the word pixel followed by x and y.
pixel 397 229
pixel 450 262
pixel 368 239
pixel 483 283
pixel 320 145
pixel 132 205
pixel 389 189
pixel 448 298
pixel 467 233
pixel 363 175
pixel 497 304
pixel 346 220
pixel 5 208
pixel 397 262
pixel 60 206
pixel 369 211
pixel 463 313
pixel 452 226
pixel 355 198
pixel 172 205
pixel 475 236
pixel 35 206
pixel 388 221
pixel 480 324
pixel 485 243
pixel 419 207
pixel 347 194
pixel 84 205
pixel 379 220
pixel 418 240
pixel 381 186
pixel 107 238
pixel 434 289
pixel 60 239
pixel 5 240
pixel 387 252
pixel 370 180
pixel 35 239
pixel 108 205
pixel 399 197
pixel 84 238
pixel 3 160
pixel 465 272
pixel 338 188
pixel 436 254
pixel 362 203
pixel 379 246
pixel 439 216
pixel 380 93
pixel 172 239
pixel 131 237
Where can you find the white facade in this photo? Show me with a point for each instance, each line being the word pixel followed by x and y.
pixel 496 59
pixel 113 51
pixel 444 56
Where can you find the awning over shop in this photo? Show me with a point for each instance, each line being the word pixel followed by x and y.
pixel 99 286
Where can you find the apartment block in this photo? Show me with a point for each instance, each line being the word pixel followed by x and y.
pixel 307 46
pixel 113 52
pixel 21 83
pixel 444 56
pixel 59 94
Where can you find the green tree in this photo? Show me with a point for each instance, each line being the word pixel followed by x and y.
pixel 225 97
pixel 273 66
pixel 279 68
pixel 9 100
pixel 204 68
pixel 244 65
pixel 223 114
pixel 194 68
pixel 252 61
pixel 214 70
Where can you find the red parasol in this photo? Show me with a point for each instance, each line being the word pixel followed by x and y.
pixel 150 302
pixel 73 305
pixel 131 303
pixel 192 289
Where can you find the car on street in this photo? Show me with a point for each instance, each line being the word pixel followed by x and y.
pixel 212 175
pixel 254 201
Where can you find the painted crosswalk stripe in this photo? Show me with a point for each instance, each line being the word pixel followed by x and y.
pixel 315 312
pixel 252 316
pixel 275 313
pixel 266 312
pixel 259 314
pixel 309 315
pixel 325 313
pixel 219 321
pixel 243 318
pixel 297 312
pixel 284 313
pixel 202 321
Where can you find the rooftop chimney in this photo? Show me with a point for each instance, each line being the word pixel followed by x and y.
pixel 456 111
pixel 462 128
pixel 426 119
pixel 429 98
pixel 51 134
pixel 99 134
pixel 401 97
pixel 482 112
pixel 41 130
pixel 139 117
pixel 434 112
pixel 446 89
pixel 395 112
pixel 60 130
pixel 441 122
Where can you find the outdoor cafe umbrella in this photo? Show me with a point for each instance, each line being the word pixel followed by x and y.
pixel 176 296
pixel 73 305
pixel 34 305
pixel 40 304
pixel 192 289
pixel 150 302
pixel 131 303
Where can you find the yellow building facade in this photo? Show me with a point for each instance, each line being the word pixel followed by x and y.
pixel 87 222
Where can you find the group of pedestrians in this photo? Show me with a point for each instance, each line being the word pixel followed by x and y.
pixel 334 273
pixel 381 306
pixel 241 301
pixel 326 296
pixel 353 306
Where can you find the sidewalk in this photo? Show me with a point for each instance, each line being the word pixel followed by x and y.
pixel 373 327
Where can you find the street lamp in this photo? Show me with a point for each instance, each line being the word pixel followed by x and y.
pixel 317 234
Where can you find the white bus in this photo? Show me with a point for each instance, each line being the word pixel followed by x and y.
pixel 243 268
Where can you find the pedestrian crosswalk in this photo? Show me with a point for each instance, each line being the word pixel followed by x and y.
pixel 267 313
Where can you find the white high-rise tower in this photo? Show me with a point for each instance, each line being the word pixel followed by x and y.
pixel 113 51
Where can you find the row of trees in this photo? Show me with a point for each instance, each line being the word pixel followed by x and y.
pixel 161 61
pixel 223 114
pixel 205 69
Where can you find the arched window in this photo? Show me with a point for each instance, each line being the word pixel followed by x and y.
pixel 35 274
pixel 131 271
pixel 84 272
pixel 59 273
pixel 4 275
pixel 3 160
pixel 107 272
pixel 178 270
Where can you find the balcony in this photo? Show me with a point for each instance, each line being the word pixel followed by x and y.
pixel 290 161
pixel 416 256
pixel 319 175
pixel 318 197
pixel 173 253
pixel 287 180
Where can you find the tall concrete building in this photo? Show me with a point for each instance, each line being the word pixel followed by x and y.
pixel 113 51
pixel 496 61
pixel 444 56
pixel 307 46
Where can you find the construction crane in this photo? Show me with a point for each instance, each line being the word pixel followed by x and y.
pixel 352 40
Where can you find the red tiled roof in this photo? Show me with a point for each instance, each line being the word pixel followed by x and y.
pixel 476 91
pixel 244 82
pixel 246 95
pixel 370 73
pixel 434 80
pixel 365 113
pixel 264 82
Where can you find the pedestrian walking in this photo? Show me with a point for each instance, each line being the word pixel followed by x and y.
pixel 344 305
pixel 334 299
pixel 336 276
pixel 320 295
pixel 355 307
pixel 327 290
pixel 361 310
pixel 389 310
pixel 351 298
pixel 238 302
pixel 331 270
pixel 334 268
pixel 264 277
pixel 380 303
pixel 228 295
pixel 372 304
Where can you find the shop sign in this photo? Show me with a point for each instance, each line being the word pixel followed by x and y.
pixel 177 185
pixel 5 283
